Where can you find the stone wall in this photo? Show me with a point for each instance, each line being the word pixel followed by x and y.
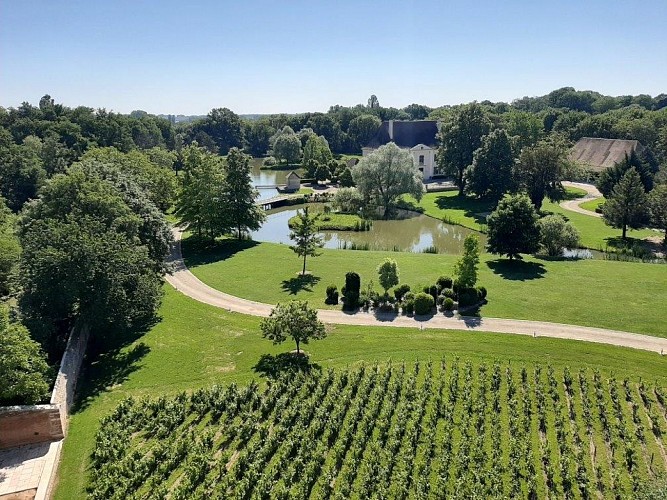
pixel 21 425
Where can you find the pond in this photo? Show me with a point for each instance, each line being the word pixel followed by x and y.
pixel 411 232
pixel 262 178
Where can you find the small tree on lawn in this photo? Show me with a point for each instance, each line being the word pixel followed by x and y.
pixel 321 173
pixel 388 272
pixel 556 234
pixel 627 205
pixel 305 237
pixel 512 227
pixel 294 319
pixel 465 269
pixel 657 201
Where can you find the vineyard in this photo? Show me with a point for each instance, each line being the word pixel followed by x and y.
pixel 424 430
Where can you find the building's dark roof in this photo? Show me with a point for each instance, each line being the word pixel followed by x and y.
pixel 406 134
pixel 599 154
pixel 293 173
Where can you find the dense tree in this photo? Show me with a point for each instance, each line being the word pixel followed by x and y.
pixel 459 138
pixel 525 128
pixel 385 174
pixel 317 149
pixel 611 176
pixel 238 195
pixel 557 234
pixel 10 249
pixel 490 175
pixel 296 320
pixel 200 205
pixel 388 274
pixel 87 254
pixel 225 128
pixel 322 173
pixel 23 367
pixel 657 202
pixel 373 102
pixel 465 269
pixel 362 129
pixel 305 237
pixel 540 170
pixel 287 146
pixel 627 204
pixel 417 111
pixel 21 173
pixel 348 200
pixel 512 227
pixel 345 178
pixel 258 136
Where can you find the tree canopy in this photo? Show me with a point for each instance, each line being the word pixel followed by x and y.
pixel 627 205
pixel 540 170
pixel 305 237
pixel 512 227
pixel 238 195
pixel 490 175
pixel 296 320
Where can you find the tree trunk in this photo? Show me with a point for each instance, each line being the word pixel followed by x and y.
pixel 303 273
pixel 297 347
pixel 461 182
pixel 625 226
pixel 239 229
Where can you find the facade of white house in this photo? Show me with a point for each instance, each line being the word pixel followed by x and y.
pixel 418 137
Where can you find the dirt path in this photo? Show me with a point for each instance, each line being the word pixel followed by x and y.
pixel 187 283
pixel 591 194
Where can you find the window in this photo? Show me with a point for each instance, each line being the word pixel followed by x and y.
pixel 421 159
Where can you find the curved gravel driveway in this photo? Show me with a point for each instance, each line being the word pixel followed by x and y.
pixel 591 193
pixel 187 283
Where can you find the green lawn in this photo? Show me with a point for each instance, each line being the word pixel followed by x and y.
pixel 448 206
pixel 617 295
pixel 196 345
pixel 592 204
pixel 332 221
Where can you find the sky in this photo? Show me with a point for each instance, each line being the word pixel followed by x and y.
pixel 262 56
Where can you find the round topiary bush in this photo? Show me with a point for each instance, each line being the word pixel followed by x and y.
pixel 332 295
pixel 424 303
pixel 468 297
pixel 400 291
pixel 448 292
pixel 448 304
pixel 444 282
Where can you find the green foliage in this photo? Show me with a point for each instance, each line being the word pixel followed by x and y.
pixel 465 269
pixel 348 200
pixel 238 195
pixel 448 304
pixel 612 176
pixel 224 127
pixel 525 128
pixel 200 206
pixel 459 138
pixel 21 174
pixel 627 205
pixel 10 250
pixel 557 234
pixel 294 319
pixel 424 303
pixel 657 203
pixel 23 368
pixel 345 178
pixel 286 146
pixel 490 175
pixel 332 295
pixel 317 149
pixel 362 129
pixel 386 174
pixel 512 227
pixel 540 170
pixel 401 290
pixel 258 136
pixel 388 274
pixel 305 237
pixel 444 282
pixel 322 173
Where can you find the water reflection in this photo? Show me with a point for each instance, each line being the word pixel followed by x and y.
pixel 265 178
pixel 412 232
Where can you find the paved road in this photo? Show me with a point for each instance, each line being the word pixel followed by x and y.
pixel 187 283
pixel 591 194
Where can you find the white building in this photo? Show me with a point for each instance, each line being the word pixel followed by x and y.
pixel 419 137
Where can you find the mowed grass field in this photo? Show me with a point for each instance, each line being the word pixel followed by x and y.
pixel 625 296
pixel 195 345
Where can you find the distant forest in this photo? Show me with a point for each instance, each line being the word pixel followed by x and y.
pixel 39 141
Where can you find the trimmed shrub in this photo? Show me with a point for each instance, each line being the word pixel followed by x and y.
pixel 448 292
pixel 400 291
pixel 352 282
pixel 468 297
pixel 269 161
pixel 448 304
pixel 424 303
pixel 444 282
pixel 409 303
pixel 481 292
pixel 332 295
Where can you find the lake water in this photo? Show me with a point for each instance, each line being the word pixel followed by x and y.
pixel 267 178
pixel 413 232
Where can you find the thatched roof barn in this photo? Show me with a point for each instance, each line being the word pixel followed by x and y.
pixel 599 154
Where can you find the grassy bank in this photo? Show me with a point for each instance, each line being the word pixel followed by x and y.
pixel 616 295
pixel 195 345
pixel 334 222
pixel 592 204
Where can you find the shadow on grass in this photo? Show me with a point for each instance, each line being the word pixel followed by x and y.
pixel 271 366
pixel 109 362
pixel 300 283
pixel 471 207
pixel 517 270
pixel 200 251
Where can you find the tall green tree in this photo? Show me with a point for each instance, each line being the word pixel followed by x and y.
pixel 10 250
pixel 317 149
pixel 540 170
pixel 525 128
pixel 386 174
pixel 459 138
pixel 388 274
pixel 611 176
pixel 287 146
pixel 238 195
pixel 225 128
pixel 490 175
pixel 627 205
pixel 23 367
pixel 657 202
pixel 512 227
pixel 465 269
pixel 297 320
pixel 21 174
pixel 362 129
pixel 87 255
pixel 200 204
pixel 557 234
pixel 258 136
pixel 305 237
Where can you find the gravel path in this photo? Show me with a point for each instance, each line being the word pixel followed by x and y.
pixel 591 194
pixel 188 284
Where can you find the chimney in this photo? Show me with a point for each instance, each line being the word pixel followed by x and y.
pixel 391 130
